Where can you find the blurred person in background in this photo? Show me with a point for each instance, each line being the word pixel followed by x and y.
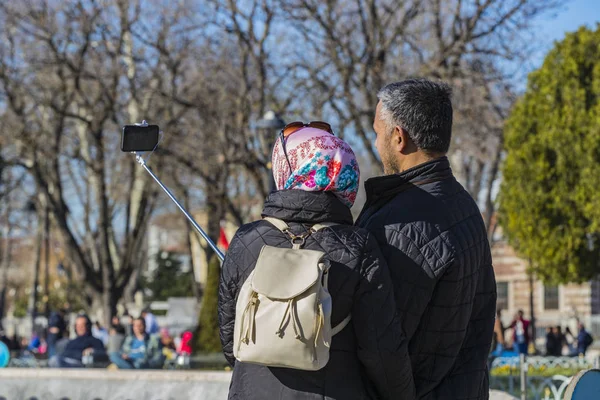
pixel 152 327
pixel 83 344
pixel 116 337
pixel 498 341
pixel 560 340
pixel 185 345
pixel 168 344
pixel 127 321
pixel 37 343
pixel 99 332
pixel 569 347
pixel 584 339
pixel 56 329
pixel 140 350
pixel 521 336
pixel 550 342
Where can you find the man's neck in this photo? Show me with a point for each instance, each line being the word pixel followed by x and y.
pixel 417 158
pixel 140 337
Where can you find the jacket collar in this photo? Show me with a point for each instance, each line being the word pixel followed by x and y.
pixel 433 170
pixel 306 207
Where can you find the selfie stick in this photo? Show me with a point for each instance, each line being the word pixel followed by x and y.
pixel 212 245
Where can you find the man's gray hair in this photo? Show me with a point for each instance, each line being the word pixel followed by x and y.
pixel 423 109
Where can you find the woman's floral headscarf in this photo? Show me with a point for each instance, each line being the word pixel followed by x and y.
pixel 320 161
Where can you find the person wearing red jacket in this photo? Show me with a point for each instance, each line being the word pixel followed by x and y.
pixel 521 336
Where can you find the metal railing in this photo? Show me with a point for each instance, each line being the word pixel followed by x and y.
pixel 537 378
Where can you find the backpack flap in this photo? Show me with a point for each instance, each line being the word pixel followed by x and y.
pixel 282 274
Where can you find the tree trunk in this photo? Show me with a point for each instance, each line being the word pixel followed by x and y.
pixel 110 298
pixel 490 208
pixel 5 259
pixel 4 267
pixel 46 262
pixel 477 179
pixel 189 233
pixel 531 304
pixel 215 209
pixel 36 274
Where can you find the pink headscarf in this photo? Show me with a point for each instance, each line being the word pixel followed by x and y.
pixel 320 161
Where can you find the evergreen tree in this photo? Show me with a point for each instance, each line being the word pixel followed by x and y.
pixel 168 280
pixel 549 199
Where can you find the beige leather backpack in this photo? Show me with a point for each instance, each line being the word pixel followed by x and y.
pixel 283 311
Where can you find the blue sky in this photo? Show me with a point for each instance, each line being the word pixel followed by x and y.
pixel 568 18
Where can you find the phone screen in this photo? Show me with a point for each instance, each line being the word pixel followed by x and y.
pixel 139 138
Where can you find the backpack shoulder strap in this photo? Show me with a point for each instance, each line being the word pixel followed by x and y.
pixel 278 223
pixel 338 328
pixel 322 225
pixel 283 227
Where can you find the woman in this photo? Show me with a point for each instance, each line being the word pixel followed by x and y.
pixel 498 340
pixel 317 177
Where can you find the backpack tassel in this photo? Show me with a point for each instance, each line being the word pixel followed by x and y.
pixel 319 322
pixel 250 312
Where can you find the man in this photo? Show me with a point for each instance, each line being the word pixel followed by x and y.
pixel 140 350
pixel 83 344
pixel 561 340
pixel 521 337
pixel 152 327
pixel 434 240
pixel 584 339
pixel 550 342
pixel 56 330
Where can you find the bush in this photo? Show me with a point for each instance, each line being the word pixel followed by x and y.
pixel 207 336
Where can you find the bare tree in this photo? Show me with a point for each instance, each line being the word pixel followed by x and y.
pixel 350 48
pixel 70 74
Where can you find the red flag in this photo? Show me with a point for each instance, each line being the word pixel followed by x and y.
pixel 223 243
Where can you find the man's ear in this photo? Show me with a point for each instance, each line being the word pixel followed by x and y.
pixel 400 140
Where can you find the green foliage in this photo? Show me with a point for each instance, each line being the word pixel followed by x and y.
pixel 167 280
pixel 542 370
pixel 549 200
pixel 71 293
pixel 21 304
pixel 207 336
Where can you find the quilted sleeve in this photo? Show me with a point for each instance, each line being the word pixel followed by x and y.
pixel 382 345
pixel 227 297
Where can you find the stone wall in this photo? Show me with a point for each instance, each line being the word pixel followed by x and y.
pixel 90 384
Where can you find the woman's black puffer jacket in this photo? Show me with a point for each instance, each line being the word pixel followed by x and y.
pixel 368 358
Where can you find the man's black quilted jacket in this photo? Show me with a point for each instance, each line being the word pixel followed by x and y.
pixel 433 238
pixel 370 354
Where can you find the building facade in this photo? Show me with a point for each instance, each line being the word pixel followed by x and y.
pixel 552 305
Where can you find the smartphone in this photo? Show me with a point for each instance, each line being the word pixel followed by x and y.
pixel 139 138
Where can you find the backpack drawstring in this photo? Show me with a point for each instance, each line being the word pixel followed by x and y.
pixel 289 312
pixel 249 312
pixel 319 322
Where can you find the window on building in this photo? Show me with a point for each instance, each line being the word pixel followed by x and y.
pixel 502 290
pixel 551 300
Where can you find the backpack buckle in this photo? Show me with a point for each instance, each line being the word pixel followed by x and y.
pixel 298 240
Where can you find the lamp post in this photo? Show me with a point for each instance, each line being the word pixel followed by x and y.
pixel 270 124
